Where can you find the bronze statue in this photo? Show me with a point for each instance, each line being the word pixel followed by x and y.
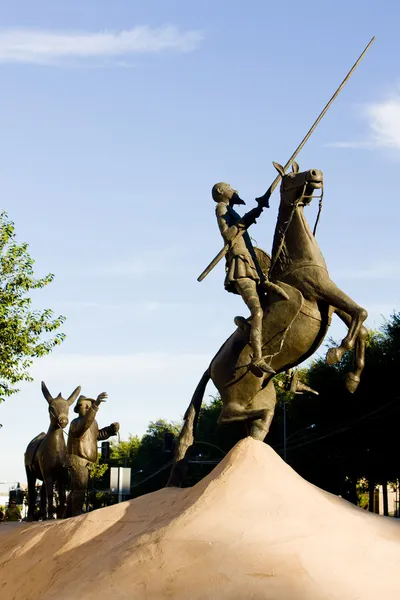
pixel 83 436
pixel 292 328
pixel 244 275
pixel 45 457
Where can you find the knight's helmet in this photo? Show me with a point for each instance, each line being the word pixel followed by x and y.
pixel 219 190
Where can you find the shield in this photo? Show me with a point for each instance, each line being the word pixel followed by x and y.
pixel 263 259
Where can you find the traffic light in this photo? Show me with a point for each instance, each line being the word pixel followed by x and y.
pixel 16 495
pixel 168 442
pixel 19 495
pixel 105 450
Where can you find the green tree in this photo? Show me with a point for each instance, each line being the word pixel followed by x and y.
pixel 124 453
pixel 354 436
pixel 22 330
pixel 98 470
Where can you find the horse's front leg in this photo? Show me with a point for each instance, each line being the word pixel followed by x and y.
pixel 353 379
pixel 324 289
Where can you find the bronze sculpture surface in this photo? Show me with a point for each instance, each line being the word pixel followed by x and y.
pixel 292 328
pixel 45 457
pixel 83 436
pixel 244 274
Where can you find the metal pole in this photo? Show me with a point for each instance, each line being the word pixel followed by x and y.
pixel 273 185
pixel 284 429
pixel 265 198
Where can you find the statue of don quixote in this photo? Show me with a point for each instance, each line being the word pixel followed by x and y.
pixel 291 299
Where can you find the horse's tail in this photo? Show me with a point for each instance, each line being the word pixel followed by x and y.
pixel 187 434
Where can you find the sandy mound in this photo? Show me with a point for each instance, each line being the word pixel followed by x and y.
pixel 252 529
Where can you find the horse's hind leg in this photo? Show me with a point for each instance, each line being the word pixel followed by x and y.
pixel 353 379
pixel 266 400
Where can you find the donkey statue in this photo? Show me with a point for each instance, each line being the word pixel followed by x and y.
pixel 45 457
pixel 292 329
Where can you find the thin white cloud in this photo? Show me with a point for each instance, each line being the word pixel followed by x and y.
pixel 354 145
pixel 47 47
pixel 383 121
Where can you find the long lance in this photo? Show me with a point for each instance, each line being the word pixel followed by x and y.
pixel 264 200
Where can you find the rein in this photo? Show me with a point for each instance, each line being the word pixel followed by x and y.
pixel 296 204
pixel 319 211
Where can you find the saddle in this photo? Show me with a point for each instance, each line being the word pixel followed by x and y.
pixel 279 315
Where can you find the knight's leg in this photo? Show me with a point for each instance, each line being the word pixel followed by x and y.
pixel 353 379
pixel 248 290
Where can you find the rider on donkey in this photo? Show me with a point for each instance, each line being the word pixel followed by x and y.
pixel 243 273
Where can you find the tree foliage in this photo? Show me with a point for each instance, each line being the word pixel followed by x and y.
pixel 98 470
pixel 22 330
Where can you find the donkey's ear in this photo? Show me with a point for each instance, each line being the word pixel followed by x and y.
pixel 46 393
pixel 295 167
pixel 279 168
pixel 74 395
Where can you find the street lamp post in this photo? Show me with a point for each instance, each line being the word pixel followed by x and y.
pixel 293 386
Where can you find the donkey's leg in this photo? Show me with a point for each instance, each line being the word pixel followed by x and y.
pixel 62 484
pixel 326 290
pixel 353 379
pixel 49 495
pixel 31 494
pixel 43 502
pixel 265 398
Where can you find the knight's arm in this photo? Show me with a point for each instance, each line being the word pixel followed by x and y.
pixel 227 232
pixel 107 432
pixel 80 425
pixel 250 217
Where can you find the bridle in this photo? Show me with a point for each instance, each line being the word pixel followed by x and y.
pixel 295 205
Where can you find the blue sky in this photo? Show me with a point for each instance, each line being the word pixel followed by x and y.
pixel 117 119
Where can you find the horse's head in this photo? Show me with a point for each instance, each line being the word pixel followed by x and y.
pixel 297 188
pixel 58 407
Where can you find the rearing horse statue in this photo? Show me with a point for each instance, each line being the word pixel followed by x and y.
pixel 292 329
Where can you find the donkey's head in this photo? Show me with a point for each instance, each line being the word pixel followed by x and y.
pixel 297 188
pixel 58 407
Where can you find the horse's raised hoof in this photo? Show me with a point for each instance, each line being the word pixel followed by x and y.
pixel 351 382
pixel 260 368
pixel 333 356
